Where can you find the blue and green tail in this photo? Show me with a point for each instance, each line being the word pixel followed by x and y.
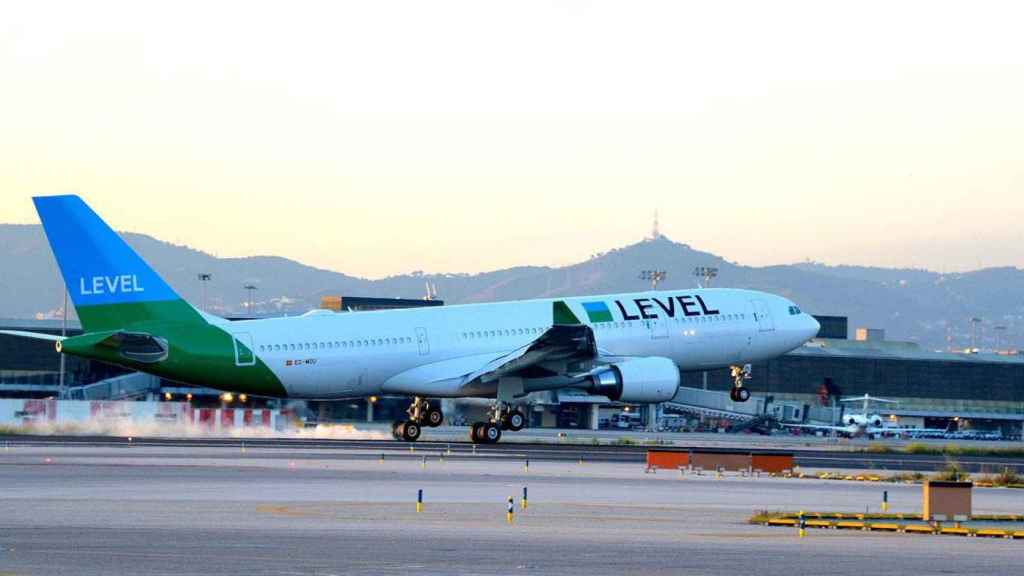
pixel 131 317
pixel 111 287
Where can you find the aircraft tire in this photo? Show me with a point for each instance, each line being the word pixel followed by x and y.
pixel 742 394
pixel 516 421
pixel 491 433
pixel 434 418
pixel 396 431
pixel 475 434
pixel 410 431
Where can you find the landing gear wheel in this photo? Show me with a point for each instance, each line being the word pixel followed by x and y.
pixel 434 417
pixel 491 433
pixel 515 421
pixel 396 431
pixel 739 394
pixel 476 433
pixel 410 431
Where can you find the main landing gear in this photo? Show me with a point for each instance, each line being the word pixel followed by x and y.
pixel 503 417
pixel 739 375
pixel 421 413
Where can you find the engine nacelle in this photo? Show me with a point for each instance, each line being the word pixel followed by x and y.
pixel 645 380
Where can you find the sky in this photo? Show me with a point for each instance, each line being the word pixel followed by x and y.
pixel 378 138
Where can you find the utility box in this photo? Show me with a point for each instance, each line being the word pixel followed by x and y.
pixel 946 500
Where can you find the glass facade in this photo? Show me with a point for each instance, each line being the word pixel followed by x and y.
pixel 963 384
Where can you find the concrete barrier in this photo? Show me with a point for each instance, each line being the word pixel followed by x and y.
pixel 747 461
pixel 668 459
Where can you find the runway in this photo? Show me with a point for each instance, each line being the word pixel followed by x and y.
pixel 807 455
pixel 191 509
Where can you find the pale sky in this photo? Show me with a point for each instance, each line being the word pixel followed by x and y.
pixel 377 138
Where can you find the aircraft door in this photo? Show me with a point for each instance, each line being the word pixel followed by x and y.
pixel 244 355
pixel 422 341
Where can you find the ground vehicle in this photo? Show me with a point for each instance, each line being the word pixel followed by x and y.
pixel 626 421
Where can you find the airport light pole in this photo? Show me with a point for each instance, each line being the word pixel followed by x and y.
pixel 1000 336
pixel 706 275
pixel 203 279
pixel 653 276
pixel 252 290
pixel 975 321
pixel 61 394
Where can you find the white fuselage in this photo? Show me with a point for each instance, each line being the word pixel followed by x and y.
pixel 421 351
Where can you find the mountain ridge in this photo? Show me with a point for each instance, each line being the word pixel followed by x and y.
pixel 928 307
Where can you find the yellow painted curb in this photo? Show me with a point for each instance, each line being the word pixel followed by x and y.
pixel 884 527
pixel 819 524
pixel 782 522
pixel 918 529
pixel 991 533
pixel 849 525
pixel 955 531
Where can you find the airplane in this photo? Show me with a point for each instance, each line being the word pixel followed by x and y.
pixel 866 423
pixel 628 347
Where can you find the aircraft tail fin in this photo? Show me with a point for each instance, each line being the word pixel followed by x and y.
pixel 110 285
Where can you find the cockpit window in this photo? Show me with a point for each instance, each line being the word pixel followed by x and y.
pixel 793 310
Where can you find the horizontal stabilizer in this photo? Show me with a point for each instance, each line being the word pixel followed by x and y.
pixel 33 335
pixel 138 346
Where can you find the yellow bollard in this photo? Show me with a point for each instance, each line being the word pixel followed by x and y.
pixel 885 501
pixel 424 464
pixel 523 502
pixel 526 466
pixel 802 523
pixel 419 500
pixel 511 508
pixel 381 457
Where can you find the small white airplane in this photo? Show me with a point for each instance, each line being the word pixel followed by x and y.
pixel 865 423
pixel 628 347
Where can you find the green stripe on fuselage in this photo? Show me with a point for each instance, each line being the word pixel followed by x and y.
pixel 200 353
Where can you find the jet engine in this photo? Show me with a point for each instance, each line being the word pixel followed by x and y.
pixel 862 420
pixel 645 380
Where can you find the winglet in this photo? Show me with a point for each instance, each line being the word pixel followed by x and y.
pixel 563 315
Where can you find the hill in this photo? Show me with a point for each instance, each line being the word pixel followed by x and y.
pixel 916 305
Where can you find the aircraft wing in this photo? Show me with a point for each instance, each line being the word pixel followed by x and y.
pixel 560 343
pixel 567 349
pixel 817 427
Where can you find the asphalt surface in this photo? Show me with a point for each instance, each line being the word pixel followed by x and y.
pixel 189 509
pixel 842 458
